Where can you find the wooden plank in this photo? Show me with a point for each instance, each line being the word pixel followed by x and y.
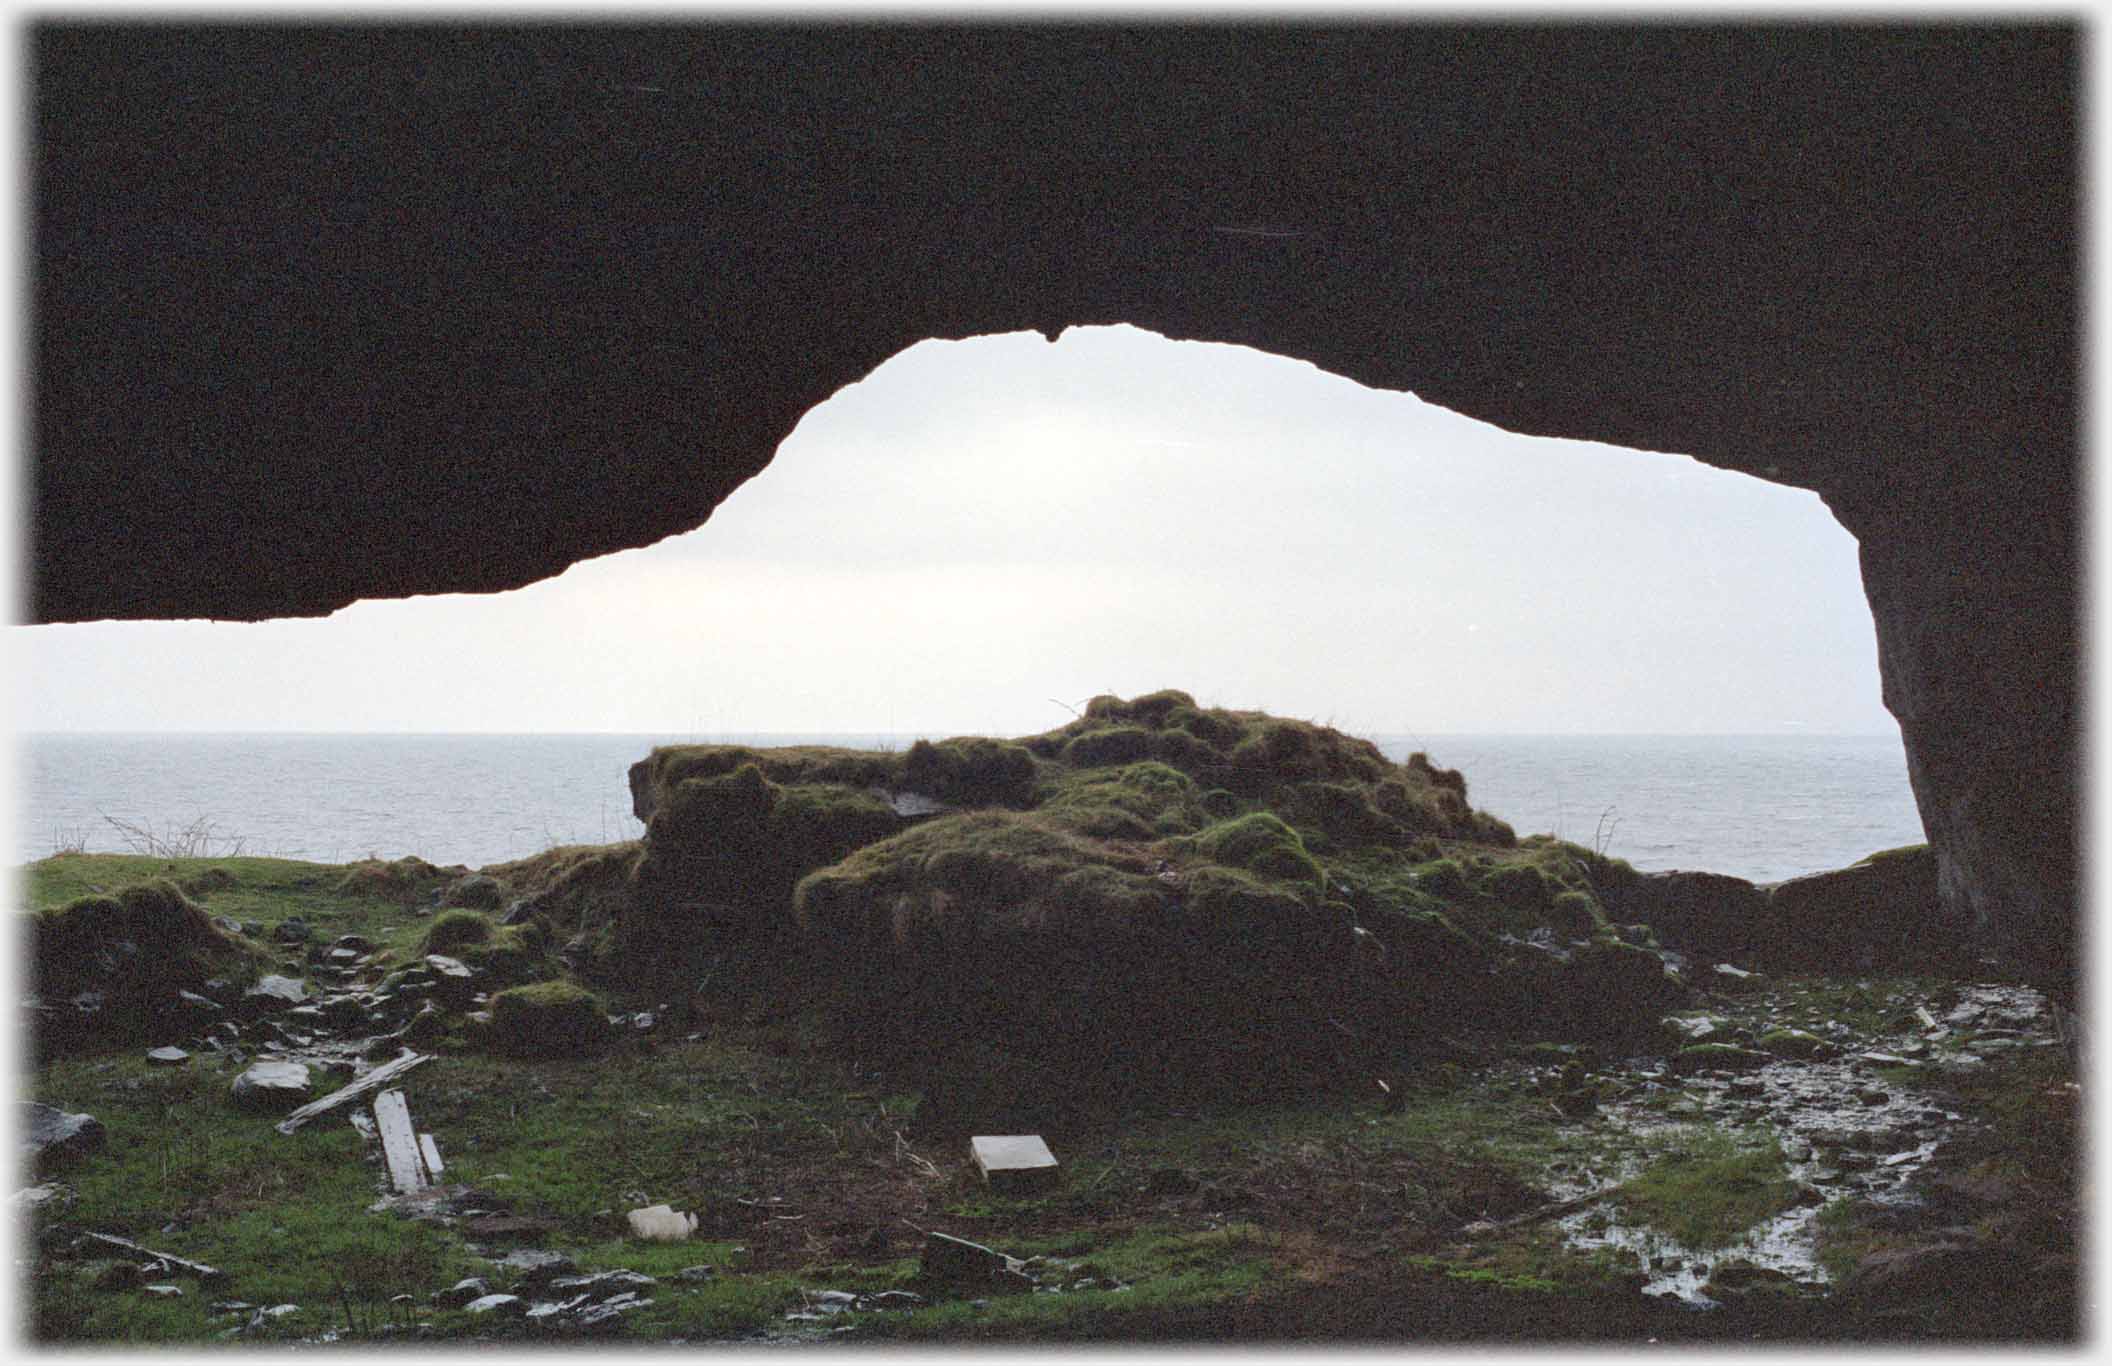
pixel 430 1151
pixel 399 1142
pixel 198 1269
pixel 373 1081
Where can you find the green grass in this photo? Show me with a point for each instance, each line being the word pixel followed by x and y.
pixel 264 891
pixel 1709 1187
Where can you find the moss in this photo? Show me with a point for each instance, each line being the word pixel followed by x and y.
pixel 577 887
pixel 1260 842
pixel 1160 799
pixel 1344 812
pixel 1113 745
pixel 1575 915
pixel 164 929
pixel 730 848
pixel 1187 752
pixel 1521 887
pixel 455 930
pixel 137 949
pixel 669 766
pixel 548 1019
pixel 513 954
pixel 1905 851
pixel 1217 730
pixel 971 772
pixel 406 881
pixel 981 860
pixel 1443 878
pixel 1450 779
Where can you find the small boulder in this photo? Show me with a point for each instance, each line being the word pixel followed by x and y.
pixel 272 1087
pixel 272 994
pixel 453 980
pixel 342 1012
pixel 462 1292
pixel 167 1057
pixel 52 1138
pixel 196 1009
pixel 508 1306
pixel 292 930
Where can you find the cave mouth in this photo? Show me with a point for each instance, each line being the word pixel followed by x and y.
pixel 984 533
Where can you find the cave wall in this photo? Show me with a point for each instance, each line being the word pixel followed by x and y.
pixel 323 313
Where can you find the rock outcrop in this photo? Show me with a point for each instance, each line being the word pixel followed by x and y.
pixel 1843 258
pixel 1883 913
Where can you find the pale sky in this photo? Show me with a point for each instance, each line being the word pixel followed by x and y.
pixel 984 530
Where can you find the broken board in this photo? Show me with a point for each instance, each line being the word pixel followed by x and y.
pixel 399 1143
pixel 1013 1163
pixel 373 1081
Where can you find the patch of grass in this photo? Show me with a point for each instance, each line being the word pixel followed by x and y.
pixel 1157 1269
pixel 1709 1187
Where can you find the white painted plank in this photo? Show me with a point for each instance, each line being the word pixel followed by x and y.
pixel 430 1151
pixel 399 1144
pixel 381 1075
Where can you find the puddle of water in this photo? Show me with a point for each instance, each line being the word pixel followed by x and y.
pixel 1845 1132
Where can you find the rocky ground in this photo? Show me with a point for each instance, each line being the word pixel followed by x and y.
pixel 1321 1052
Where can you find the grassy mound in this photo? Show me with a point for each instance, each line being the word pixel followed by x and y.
pixel 406 881
pixel 1156 870
pixel 127 955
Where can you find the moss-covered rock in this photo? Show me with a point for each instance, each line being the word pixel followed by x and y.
pixel 548 1019
pixel 452 931
pixel 1882 912
pixel 728 849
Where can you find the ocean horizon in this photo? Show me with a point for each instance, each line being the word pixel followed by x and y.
pixel 1764 807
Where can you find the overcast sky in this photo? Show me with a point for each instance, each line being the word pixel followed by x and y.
pixel 985 530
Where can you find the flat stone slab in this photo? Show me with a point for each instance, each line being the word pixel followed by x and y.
pixel 273 1087
pixel 1013 1162
pixel 167 1057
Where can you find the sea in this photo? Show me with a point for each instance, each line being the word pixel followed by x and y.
pixel 1763 807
